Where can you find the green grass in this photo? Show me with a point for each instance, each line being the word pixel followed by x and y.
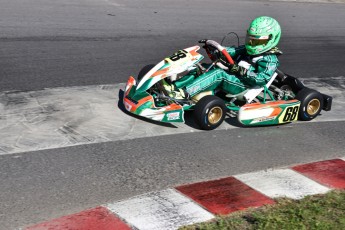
pixel 322 212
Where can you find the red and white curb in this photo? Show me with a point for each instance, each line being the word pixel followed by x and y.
pixel 199 202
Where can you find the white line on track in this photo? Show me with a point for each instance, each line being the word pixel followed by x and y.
pixel 114 3
pixel 61 117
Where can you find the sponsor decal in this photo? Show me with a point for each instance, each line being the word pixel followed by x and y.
pixel 262 119
pixel 173 116
pixel 128 106
pixel 193 89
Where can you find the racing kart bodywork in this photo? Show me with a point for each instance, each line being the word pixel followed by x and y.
pixel 283 99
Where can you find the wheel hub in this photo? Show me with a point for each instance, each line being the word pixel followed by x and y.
pixel 313 106
pixel 215 115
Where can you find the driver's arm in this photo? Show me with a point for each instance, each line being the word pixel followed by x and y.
pixel 265 68
pixel 236 51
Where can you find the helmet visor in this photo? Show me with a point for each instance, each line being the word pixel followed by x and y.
pixel 257 40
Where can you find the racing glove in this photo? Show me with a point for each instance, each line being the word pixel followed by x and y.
pixel 238 70
pixel 203 41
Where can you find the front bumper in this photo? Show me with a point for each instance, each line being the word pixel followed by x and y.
pixel 142 104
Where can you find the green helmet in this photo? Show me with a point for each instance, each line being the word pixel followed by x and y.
pixel 263 34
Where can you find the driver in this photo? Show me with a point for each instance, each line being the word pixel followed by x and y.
pixel 259 51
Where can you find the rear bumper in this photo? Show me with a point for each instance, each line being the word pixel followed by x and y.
pixel 327 102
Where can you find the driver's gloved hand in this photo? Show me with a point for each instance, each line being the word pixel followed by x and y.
pixel 238 70
pixel 203 41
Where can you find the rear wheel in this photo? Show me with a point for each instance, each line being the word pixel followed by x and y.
pixel 209 112
pixel 311 104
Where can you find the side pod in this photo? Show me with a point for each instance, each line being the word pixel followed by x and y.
pixel 270 113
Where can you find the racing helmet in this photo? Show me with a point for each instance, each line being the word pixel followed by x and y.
pixel 263 34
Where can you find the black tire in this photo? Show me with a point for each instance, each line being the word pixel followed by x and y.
pixel 209 112
pixel 311 104
pixel 144 71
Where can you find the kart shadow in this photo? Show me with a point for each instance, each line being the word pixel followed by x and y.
pixel 233 121
pixel 121 106
pixel 189 120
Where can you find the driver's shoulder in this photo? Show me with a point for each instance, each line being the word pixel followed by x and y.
pixel 271 57
pixel 265 59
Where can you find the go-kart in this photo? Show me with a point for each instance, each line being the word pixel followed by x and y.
pixel 282 100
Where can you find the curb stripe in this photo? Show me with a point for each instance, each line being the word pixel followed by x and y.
pixel 92 219
pixel 171 209
pixel 165 209
pixel 330 173
pixel 224 196
pixel 282 183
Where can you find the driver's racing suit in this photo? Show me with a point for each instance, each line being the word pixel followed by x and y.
pixel 237 79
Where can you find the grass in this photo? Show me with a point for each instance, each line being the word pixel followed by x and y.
pixel 322 212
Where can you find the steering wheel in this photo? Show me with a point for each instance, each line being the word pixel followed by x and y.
pixel 214 49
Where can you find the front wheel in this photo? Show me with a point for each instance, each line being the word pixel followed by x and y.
pixel 311 104
pixel 209 112
pixel 144 71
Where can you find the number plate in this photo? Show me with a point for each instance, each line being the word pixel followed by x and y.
pixel 289 114
pixel 179 57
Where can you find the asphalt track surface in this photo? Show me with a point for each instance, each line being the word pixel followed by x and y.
pixel 49 44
